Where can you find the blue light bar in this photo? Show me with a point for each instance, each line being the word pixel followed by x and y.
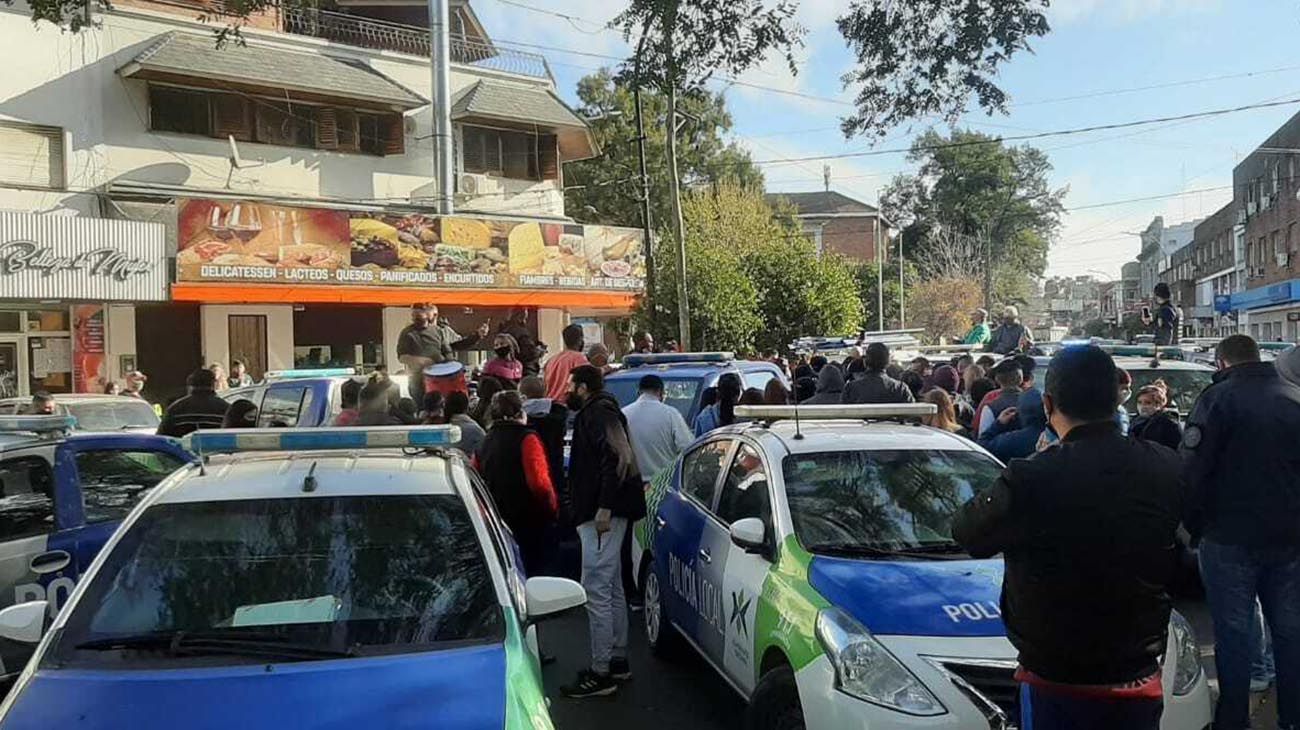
pixel 675 358
pixel 37 424
pixel 229 441
pixel 308 373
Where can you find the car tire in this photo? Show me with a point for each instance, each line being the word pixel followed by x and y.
pixel 775 703
pixel 663 639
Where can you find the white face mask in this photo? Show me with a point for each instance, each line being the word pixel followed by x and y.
pixel 1147 411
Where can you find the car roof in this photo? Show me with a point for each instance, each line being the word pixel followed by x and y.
pixel 1144 363
pixel 279 475
pixel 74 398
pixel 691 370
pixel 852 435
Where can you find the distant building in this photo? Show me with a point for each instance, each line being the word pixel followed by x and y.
pixel 1214 274
pixel 1159 242
pixel 837 223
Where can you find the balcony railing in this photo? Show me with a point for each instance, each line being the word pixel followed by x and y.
pixel 354 30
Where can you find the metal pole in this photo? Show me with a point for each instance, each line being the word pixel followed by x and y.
pixel 679 232
pixel 902 319
pixel 880 273
pixel 440 70
pixel 645 190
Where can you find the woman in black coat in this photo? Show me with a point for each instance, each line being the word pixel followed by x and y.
pixel 1153 422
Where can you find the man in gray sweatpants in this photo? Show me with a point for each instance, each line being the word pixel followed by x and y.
pixel 608 497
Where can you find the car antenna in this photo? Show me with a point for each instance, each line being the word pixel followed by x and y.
pixel 798 435
pixel 309 482
pixel 203 462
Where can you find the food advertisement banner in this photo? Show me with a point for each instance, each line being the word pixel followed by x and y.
pixel 252 243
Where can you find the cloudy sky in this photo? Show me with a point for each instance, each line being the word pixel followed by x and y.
pixel 1106 61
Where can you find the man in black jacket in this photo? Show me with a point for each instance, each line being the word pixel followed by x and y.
pixel 607 494
pixel 874 386
pixel 1243 504
pixel 1087 534
pixel 202 408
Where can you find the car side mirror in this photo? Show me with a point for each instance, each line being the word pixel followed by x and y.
pixel 547 596
pixel 24 622
pixel 749 534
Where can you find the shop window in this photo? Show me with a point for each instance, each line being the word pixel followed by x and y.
pixel 11 321
pixel 31 155
pixel 47 320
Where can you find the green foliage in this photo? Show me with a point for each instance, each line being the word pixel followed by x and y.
pixel 722 301
pixel 607 189
pixel 799 294
pixel 918 58
pixel 943 307
pixel 975 201
pixel 866 280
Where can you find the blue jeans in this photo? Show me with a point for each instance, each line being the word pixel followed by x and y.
pixel 1261 650
pixel 1045 710
pixel 1234 576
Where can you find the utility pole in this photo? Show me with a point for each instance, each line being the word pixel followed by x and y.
pixel 880 272
pixel 440 71
pixel 674 183
pixel 902 317
pixel 645 193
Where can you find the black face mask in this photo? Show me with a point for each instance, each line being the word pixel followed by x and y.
pixel 574 402
pixel 502 351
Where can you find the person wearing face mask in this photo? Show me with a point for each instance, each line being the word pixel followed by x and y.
pixel 505 365
pixel 1153 422
pixel 423 343
pixel 1087 534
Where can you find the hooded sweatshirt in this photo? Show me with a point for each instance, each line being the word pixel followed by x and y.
pixel 830 387
pixel 1017 441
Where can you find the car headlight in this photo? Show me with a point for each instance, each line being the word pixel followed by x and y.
pixel 1187 655
pixel 866 670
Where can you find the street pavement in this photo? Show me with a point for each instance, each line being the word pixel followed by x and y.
pixel 687 693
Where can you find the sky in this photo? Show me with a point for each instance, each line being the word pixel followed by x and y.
pixel 1096 67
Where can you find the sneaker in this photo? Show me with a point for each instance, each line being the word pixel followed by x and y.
pixel 590 684
pixel 619 669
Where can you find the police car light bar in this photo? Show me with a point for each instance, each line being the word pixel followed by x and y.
pixel 676 358
pixel 861 412
pixel 308 373
pixel 229 441
pixel 37 424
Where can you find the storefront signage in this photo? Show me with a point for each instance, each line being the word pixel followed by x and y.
pixel 73 257
pixel 238 241
pixel 88 348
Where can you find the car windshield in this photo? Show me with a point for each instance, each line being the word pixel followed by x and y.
pixel 888 500
pixel 340 574
pixel 680 393
pixel 113 415
pixel 1185 386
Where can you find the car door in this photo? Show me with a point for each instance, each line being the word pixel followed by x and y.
pixel 746 492
pixel 27 522
pixel 108 477
pixel 690 585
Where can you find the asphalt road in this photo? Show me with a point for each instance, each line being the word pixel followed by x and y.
pixel 687 693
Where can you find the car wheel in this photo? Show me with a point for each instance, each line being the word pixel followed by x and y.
pixel 775 703
pixel 659 632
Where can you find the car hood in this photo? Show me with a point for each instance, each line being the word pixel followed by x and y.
pixel 915 597
pixel 458 689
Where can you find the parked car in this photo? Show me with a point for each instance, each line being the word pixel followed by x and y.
pixel 686 375
pixel 96 412
pixel 62 494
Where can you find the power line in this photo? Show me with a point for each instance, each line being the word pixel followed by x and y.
pixel 1152 87
pixel 572 20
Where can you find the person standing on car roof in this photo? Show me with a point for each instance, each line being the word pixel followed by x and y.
pixel 201 408
pixel 1010 336
pixel 608 496
pixel 1243 486
pixel 1087 534
pixel 1165 319
pixel 874 386
pixel 979 333
pixel 562 363
pixel 424 342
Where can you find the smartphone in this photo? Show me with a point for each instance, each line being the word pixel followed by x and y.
pixel 1146 312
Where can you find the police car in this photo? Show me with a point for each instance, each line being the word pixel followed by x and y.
pixel 686 375
pixel 299 577
pixel 810 562
pixel 62 494
pixel 300 398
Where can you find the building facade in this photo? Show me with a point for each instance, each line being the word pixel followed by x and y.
pixel 837 223
pixel 1214 273
pixel 279 168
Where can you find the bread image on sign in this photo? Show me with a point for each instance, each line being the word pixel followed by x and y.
pixel 526 249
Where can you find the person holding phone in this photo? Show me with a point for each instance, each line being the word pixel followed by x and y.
pixel 1165 318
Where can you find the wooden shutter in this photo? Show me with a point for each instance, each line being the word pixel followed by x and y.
pixel 231 117
pixel 31 155
pixel 394 130
pixel 327 128
pixel 275 125
pixel 548 156
pixel 472 156
pixel 348 130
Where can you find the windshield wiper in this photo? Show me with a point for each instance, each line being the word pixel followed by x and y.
pixel 216 642
pixel 859 550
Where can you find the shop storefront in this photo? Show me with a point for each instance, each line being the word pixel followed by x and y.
pixel 280 287
pixel 68 288
pixel 1270 313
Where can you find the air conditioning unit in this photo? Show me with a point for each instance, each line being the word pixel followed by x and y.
pixel 1251 207
pixel 1241 214
pixel 1266 202
pixel 473 184
pixel 1283 258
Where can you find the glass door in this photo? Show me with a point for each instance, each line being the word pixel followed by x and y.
pixel 13 374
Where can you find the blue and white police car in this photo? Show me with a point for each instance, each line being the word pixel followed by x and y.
pixel 62 494
pixel 298 578
pixel 811 563
pixel 687 375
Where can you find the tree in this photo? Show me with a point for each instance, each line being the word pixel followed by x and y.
pixel 723 302
pixel 680 45
pixel 943 306
pixel 980 205
pixel 867 279
pixel 606 189
pixel 800 294
pixel 919 58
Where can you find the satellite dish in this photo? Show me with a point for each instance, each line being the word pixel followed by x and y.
pixel 237 162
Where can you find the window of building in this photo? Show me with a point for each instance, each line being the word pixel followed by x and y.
pixel 249 118
pixel 509 154
pixel 1290 238
pixel 31 155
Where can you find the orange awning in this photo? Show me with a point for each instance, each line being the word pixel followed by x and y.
pixel 396 296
